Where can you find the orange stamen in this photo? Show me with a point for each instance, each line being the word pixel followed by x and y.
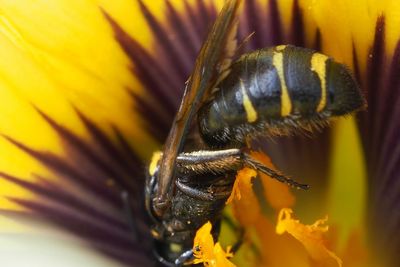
pixel 311 236
pixel 208 253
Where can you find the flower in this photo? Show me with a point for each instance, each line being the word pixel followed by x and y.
pixel 89 89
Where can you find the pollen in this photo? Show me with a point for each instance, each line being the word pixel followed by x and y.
pixel 311 236
pixel 208 253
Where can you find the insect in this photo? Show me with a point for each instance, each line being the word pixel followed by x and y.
pixel 272 91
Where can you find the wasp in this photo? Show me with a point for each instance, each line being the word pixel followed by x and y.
pixel 273 91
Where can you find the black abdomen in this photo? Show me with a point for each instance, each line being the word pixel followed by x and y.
pixel 276 90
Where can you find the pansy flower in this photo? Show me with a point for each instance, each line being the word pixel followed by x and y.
pixel 89 90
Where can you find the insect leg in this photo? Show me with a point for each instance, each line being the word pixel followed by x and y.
pixel 185 258
pixel 254 164
pixel 163 261
pixel 199 194
pixel 221 161
pixel 128 211
pixel 210 161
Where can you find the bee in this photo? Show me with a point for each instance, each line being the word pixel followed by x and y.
pixel 273 91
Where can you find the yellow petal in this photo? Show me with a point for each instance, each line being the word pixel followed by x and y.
pixel 352 23
pixel 77 60
pixel 347 180
pixel 345 23
pixel 58 56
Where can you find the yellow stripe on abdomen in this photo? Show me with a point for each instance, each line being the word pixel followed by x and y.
pixel 286 103
pixel 248 106
pixel 318 64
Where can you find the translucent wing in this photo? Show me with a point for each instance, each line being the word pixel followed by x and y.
pixel 214 57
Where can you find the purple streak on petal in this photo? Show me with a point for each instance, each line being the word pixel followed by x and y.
pixel 156 122
pixel 375 72
pixel 164 72
pixel 62 167
pixel 79 192
pixel 386 182
pixel 109 240
pixel 194 22
pixel 390 110
pixel 276 32
pixel 169 47
pixel 81 224
pixel 381 134
pixel 184 32
pixel 253 18
pixel 122 167
pixel 135 257
pixel 356 65
pixel 126 149
pixel 203 16
pixel 154 76
pixel 107 163
pixel 373 82
pixel 266 23
pixel 387 163
pixel 110 149
pixel 297 27
pixel 57 194
pixel 317 42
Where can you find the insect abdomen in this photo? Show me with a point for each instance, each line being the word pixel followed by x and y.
pixel 275 90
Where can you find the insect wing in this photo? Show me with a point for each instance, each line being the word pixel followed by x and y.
pixel 212 59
